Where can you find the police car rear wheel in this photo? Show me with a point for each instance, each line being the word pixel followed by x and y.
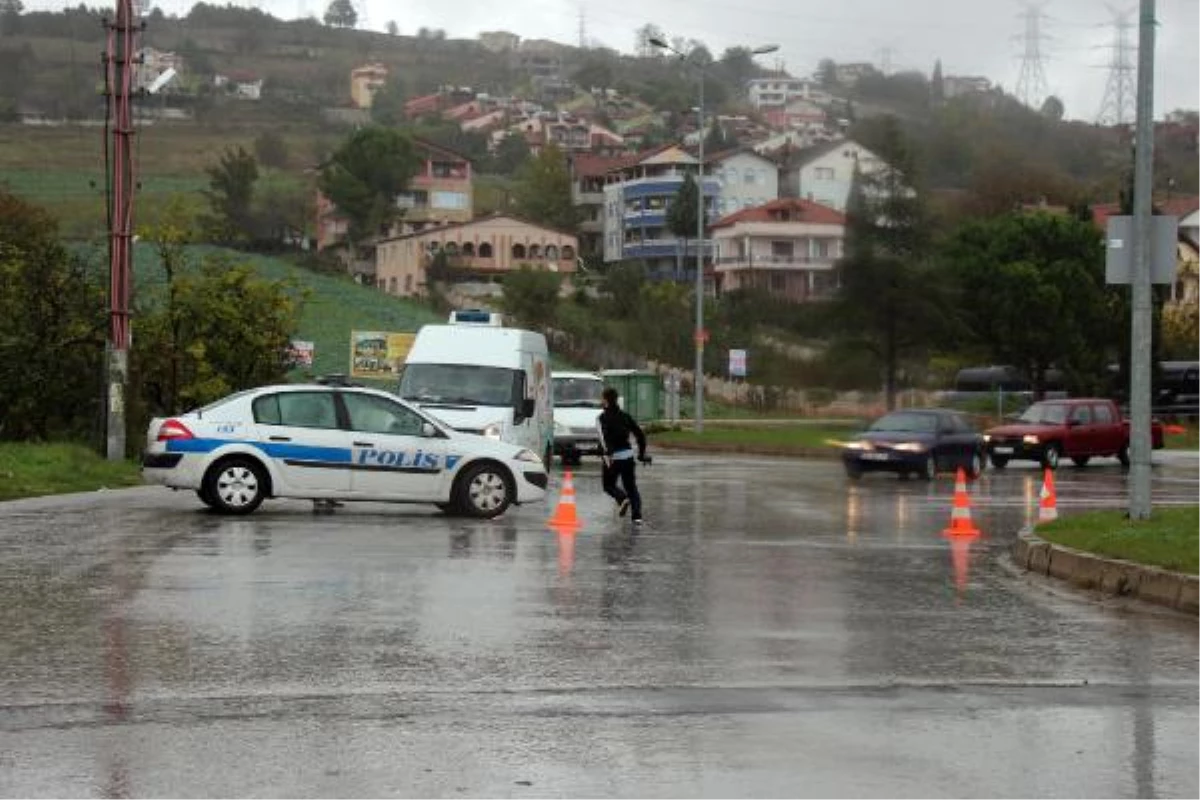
pixel 236 486
pixel 484 491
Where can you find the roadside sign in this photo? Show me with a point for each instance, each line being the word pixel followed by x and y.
pixel 737 363
pixel 300 353
pixel 378 354
pixel 1118 251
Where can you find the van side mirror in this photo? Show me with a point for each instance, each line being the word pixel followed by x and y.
pixel 527 407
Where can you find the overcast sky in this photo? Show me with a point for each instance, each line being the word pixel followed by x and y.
pixel 973 37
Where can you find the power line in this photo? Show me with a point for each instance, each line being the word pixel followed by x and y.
pixel 1031 82
pixel 1120 96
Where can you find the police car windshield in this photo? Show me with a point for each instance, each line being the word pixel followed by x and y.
pixel 578 392
pixel 461 384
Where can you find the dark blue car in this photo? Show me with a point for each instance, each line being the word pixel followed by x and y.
pixel 916 441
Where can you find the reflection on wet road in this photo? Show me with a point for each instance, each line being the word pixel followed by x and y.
pixel 774 631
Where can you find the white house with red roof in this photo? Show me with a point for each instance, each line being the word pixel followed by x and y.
pixel 789 247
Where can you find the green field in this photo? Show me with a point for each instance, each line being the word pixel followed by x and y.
pixel 31 470
pixel 1169 539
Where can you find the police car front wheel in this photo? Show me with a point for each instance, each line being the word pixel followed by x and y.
pixel 484 491
pixel 236 485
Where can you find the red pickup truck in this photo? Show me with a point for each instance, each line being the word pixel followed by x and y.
pixel 1078 428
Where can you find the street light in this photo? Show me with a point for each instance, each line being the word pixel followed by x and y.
pixel 698 376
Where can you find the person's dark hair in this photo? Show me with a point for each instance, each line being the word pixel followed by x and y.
pixel 610 396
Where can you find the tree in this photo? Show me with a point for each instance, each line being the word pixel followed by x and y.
pixel 937 85
pixel 595 72
pixel 364 175
pixel 511 155
pixel 887 303
pixel 387 106
pixel 532 296
pixel 10 17
pixel 52 329
pixel 392 28
pixel 717 139
pixel 1052 108
pixel 683 217
pixel 1034 287
pixel 827 73
pixel 271 150
pixel 543 191
pixel 231 195
pixel 341 14
pixel 217 328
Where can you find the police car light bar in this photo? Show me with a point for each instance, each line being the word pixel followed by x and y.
pixel 475 316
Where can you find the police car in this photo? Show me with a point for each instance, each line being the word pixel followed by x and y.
pixel 325 442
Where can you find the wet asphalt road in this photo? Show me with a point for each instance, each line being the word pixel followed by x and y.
pixel 775 631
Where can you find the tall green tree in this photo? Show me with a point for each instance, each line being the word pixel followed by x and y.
pixel 387 106
pixel 888 303
pixel 230 195
pixel 53 327
pixel 683 217
pixel 511 155
pixel 364 175
pixel 543 191
pixel 10 17
pixel 341 14
pixel 532 296
pixel 1032 286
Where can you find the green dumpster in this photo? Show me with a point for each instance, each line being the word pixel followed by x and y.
pixel 641 392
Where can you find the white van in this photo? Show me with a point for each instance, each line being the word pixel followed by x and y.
pixel 479 377
pixel 576 407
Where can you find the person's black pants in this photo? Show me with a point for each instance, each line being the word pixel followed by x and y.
pixel 626 470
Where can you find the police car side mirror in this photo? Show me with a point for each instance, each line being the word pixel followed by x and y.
pixel 428 430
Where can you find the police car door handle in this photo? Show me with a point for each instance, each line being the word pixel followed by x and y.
pixel 364 444
pixel 280 438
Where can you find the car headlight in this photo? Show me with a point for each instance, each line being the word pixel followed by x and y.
pixel 859 446
pixel 911 447
pixel 494 431
pixel 528 455
pixel 1030 439
pixel 987 437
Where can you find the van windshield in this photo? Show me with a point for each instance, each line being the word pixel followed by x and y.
pixel 577 392
pixel 465 384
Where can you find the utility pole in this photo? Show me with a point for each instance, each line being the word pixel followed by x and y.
pixel 1119 105
pixel 1140 327
pixel 120 54
pixel 1031 83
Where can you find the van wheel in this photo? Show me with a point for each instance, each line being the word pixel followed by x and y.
pixel 1123 455
pixel 484 491
pixel 236 485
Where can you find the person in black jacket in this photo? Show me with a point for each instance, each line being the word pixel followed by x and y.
pixel 615 427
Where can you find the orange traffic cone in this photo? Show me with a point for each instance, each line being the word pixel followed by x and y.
pixel 565 517
pixel 1048 505
pixel 960 557
pixel 960 516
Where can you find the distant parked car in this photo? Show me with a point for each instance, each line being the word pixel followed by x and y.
pixel 916 441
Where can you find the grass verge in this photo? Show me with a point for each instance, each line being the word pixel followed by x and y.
pixel 789 439
pixel 32 470
pixel 1169 539
pixel 1182 437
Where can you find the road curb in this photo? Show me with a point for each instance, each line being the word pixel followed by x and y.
pixel 1108 576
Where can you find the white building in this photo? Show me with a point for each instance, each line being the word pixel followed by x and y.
pixel 778 92
pixel 746 178
pixel 824 174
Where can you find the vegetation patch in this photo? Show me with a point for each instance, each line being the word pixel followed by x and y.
pixel 1169 539
pixel 30 470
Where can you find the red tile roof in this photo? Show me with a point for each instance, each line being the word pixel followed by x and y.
pixel 802 211
pixel 1172 207
pixel 588 165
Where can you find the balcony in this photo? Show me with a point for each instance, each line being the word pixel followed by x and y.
pixel 794 262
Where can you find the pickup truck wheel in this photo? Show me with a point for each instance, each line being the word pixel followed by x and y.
pixel 999 462
pixel 1081 461
pixel 1050 456
pixel 1123 455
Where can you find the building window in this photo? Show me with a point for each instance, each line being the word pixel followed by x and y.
pixel 518 251
pixel 485 250
pixel 778 282
pixel 408 284
pixel 535 251
pixel 452 201
pixel 451 248
pixel 568 253
pixel 468 249
pixel 391 285
pixel 751 176
pixel 551 253
pixel 781 250
pixel 824 173
pixel 821 248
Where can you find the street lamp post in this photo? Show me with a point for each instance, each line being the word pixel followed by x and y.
pixel 698 375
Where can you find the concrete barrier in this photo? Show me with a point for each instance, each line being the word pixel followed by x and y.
pixel 1107 575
